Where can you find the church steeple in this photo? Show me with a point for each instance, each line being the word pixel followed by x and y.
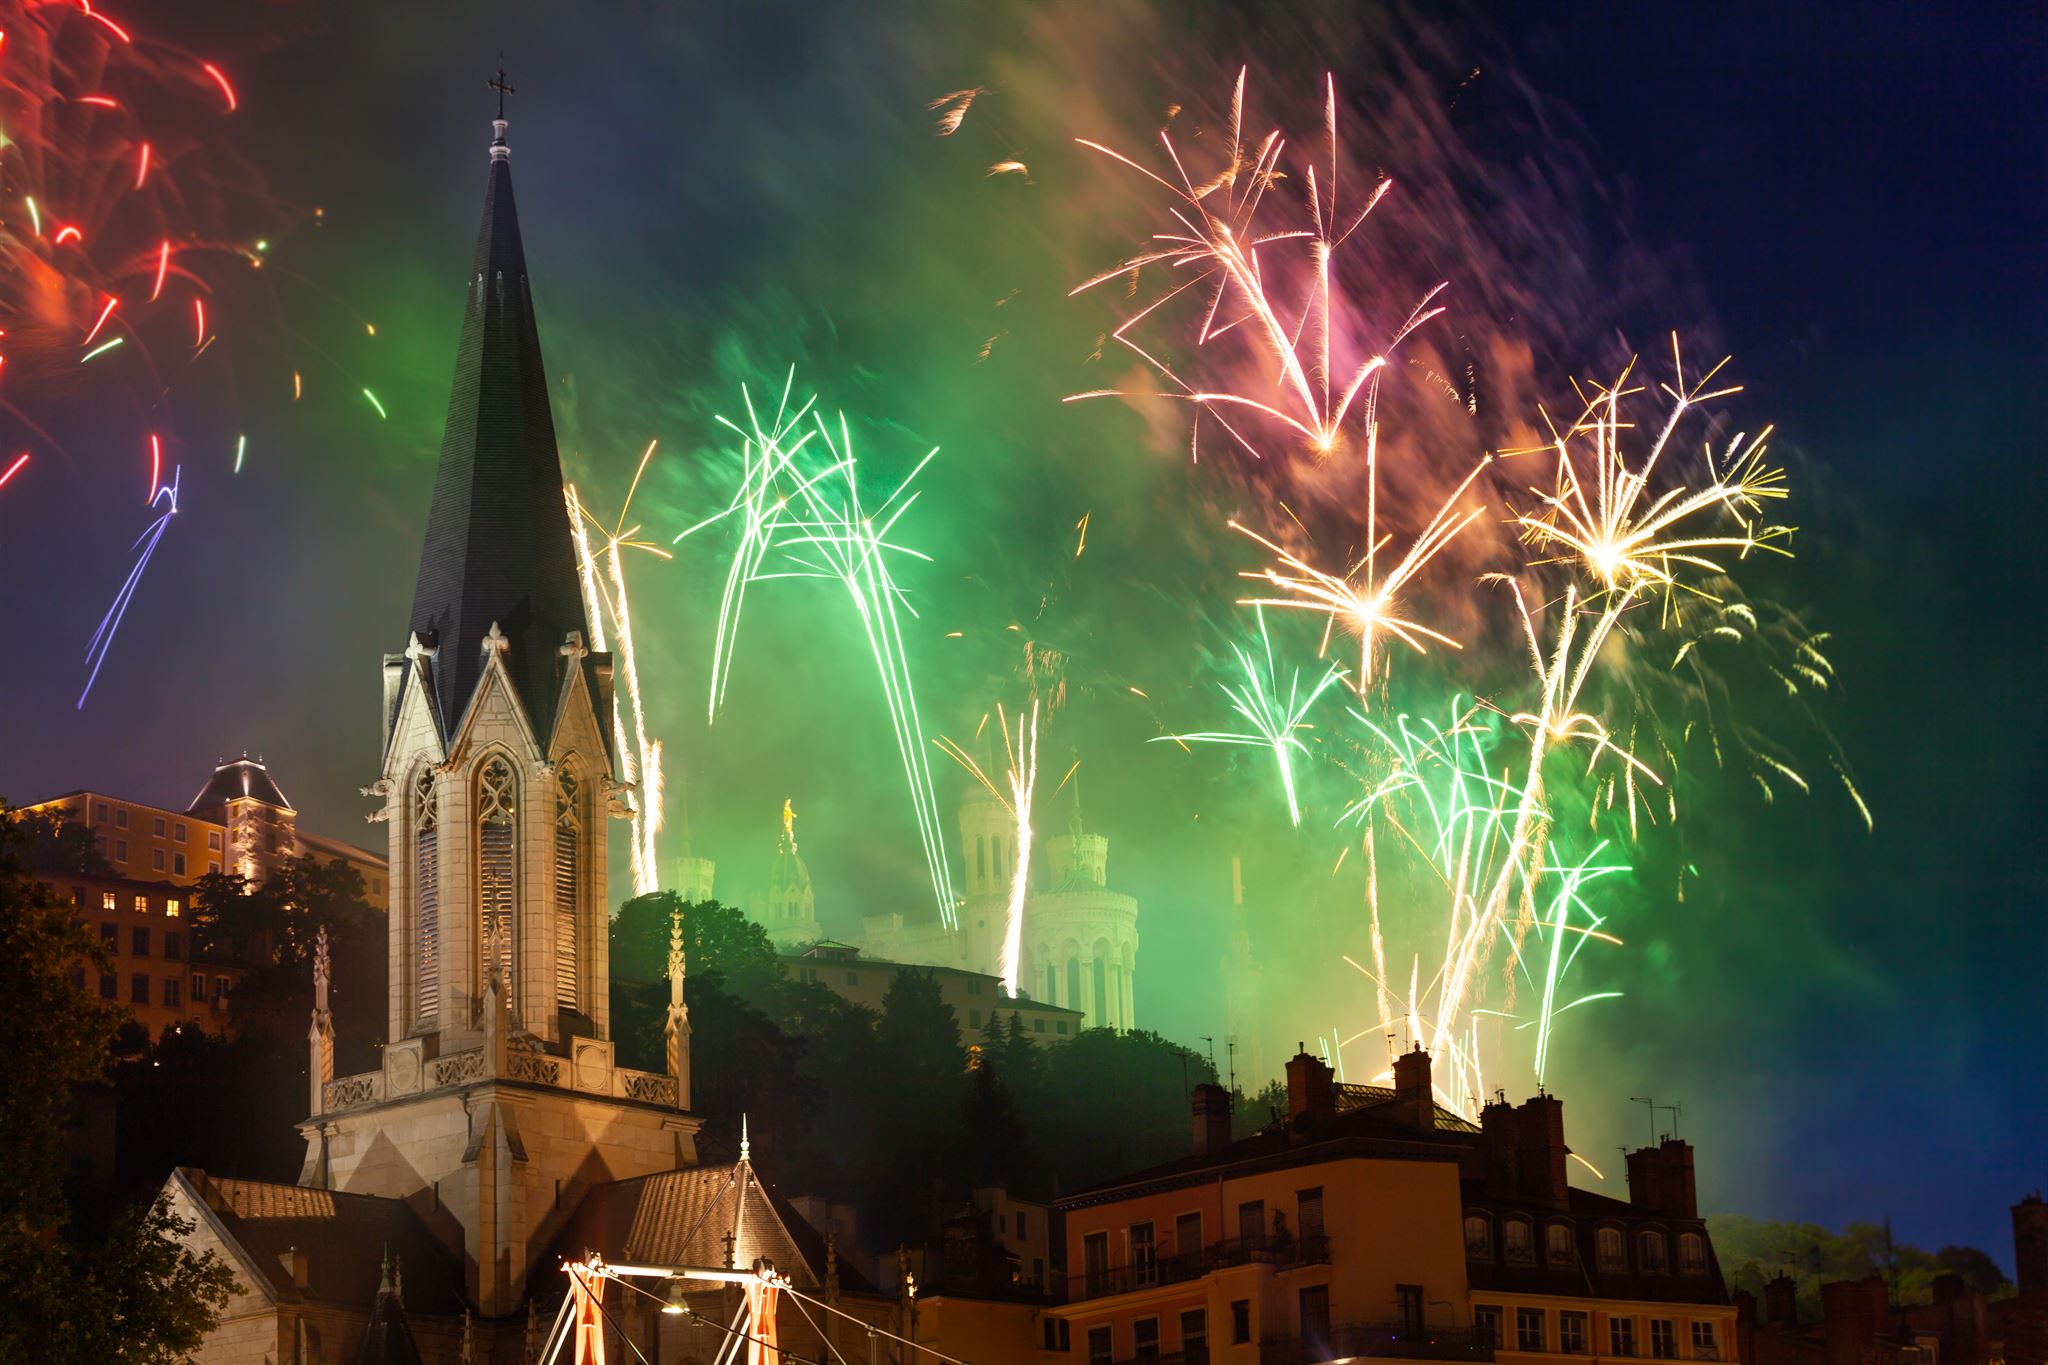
pixel 498 546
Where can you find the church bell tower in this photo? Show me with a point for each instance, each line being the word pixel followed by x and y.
pixel 498 1102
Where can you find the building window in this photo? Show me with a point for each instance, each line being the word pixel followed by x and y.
pixel 1621 1336
pixel 1529 1333
pixel 170 907
pixel 138 941
pixel 1315 1319
pixel 1308 1219
pixel 174 946
pixel 1251 1224
pixel 1144 1258
pixel 157 827
pixel 213 841
pixel 1571 1333
pixel 156 860
pixel 1408 1310
pixel 1663 1339
pixel 120 850
pixel 178 831
pixel 1692 1254
pixel 121 818
pixel 1194 1336
pixel 497 808
pixel 99 812
pixel 1099 1349
pixel 1059 1026
pixel 1478 1238
pixel 1057 1334
pixel 1095 1263
pixel 568 887
pixel 138 989
pixel 110 986
pixel 1515 1241
pixel 198 988
pixel 212 866
pixel 1650 1253
pixel 1486 1325
pixel 171 984
pixel 110 934
pixel 426 900
pixel 1021 1233
pixel 78 897
pixel 1557 1244
pixel 974 985
pixel 142 905
pixel 106 900
pixel 1704 1346
pixel 177 864
pixel 1187 1236
pixel 853 978
pixel 1145 1339
pixel 1608 1249
pixel 1038 1025
pixel 1240 1321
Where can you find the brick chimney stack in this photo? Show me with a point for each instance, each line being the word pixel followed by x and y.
pixel 2030 1246
pixel 1854 1313
pixel 1781 1300
pixel 1540 1151
pixel 1311 1092
pixel 1660 1180
pixel 1417 1100
pixel 1212 1119
pixel 1498 1131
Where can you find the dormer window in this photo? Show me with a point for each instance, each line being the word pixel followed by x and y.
pixel 1558 1248
pixel 1692 1254
pixel 1478 1238
pixel 1609 1250
pixel 1517 1243
pixel 1650 1253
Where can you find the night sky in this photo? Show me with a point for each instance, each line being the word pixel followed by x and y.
pixel 1846 199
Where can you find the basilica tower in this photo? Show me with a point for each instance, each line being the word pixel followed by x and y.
pixel 498 1102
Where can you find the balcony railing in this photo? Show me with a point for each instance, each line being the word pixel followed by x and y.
pixel 1280 1253
pixel 1393 1340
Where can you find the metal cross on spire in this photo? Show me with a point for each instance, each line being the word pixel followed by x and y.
pixel 503 87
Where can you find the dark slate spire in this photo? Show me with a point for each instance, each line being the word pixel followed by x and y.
pixel 498 545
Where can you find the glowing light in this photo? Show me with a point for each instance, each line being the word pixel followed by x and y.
pixel 108 24
pixel 1020 782
pixel 68 232
pixel 156 465
pixel 99 101
pixel 102 641
pixel 366 393
pixel 298 386
pixel 163 265
pixel 35 216
pixel 142 165
pixel 1274 721
pixel 222 81
pixel 14 468
pixel 199 322
pixel 109 344
pixel 241 449
pixel 105 313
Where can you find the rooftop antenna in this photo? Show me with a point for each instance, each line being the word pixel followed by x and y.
pixel 1205 1038
pixel 1651 1106
pixel 1230 1052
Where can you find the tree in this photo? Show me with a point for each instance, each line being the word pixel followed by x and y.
pixel 137 1294
pixel 52 841
pixel 1753 1251
pixel 1141 1078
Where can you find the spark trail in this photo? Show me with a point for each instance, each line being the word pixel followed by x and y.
pixel 164 496
pixel 1020 782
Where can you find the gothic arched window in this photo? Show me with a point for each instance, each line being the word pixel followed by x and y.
pixel 568 886
pixel 426 900
pixel 980 857
pixel 497 841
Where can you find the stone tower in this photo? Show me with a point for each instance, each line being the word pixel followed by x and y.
pixel 1081 938
pixel 498 1102
pixel 785 905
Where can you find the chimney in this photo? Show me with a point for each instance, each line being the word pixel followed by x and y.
pixel 294 1262
pixel 1540 1151
pixel 1212 1119
pixel 2030 1246
pixel 1311 1093
pixel 1781 1301
pixel 1853 1313
pixel 1416 1101
pixel 1498 1130
pixel 1660 1180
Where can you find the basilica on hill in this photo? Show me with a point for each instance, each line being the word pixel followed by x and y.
pixel 1080 944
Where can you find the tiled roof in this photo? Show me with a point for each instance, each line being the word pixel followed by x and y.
pixel 683 1217
pixel 240 780
pixel 344 1238
pixel 498 546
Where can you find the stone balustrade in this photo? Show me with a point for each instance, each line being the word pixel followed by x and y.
pixel 591 1071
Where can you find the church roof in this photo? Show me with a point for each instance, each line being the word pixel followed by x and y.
pixel 344 1239
pixel 498 546
pixel 683 1218
pixel 242 779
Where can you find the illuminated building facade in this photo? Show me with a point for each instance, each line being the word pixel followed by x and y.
pixel 1371 1221
pixel 153 971
pixel 976 998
